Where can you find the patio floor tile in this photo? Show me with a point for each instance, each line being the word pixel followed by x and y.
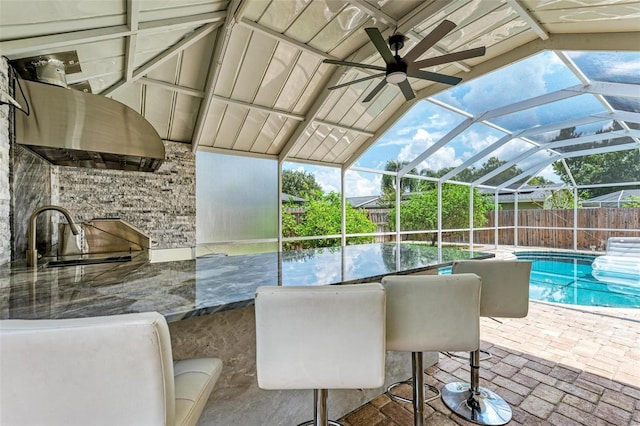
pixel 561 365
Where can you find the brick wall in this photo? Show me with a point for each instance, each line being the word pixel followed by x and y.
pixel 161 204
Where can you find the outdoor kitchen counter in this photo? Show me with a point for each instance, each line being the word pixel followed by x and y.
pixel 205 285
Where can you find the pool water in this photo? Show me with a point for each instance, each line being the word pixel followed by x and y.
pixel 566 278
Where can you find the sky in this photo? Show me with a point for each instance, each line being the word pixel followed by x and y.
pixel 426 123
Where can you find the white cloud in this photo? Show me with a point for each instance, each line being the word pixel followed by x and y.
pixel 549 174
pixel 444 157
pixel 415 146
pixel 624 68
pixel 476 141
pixel 328 178
pixel 357 184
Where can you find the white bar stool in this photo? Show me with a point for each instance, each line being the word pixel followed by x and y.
pixel 320 337
pixel 505 294
pixel 430 313
pixel 110 370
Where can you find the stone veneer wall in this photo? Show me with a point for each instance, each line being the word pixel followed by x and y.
pixel 161 204
pixel 31 187
pixel 5 195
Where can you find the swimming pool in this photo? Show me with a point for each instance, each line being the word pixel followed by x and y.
pixel 566 278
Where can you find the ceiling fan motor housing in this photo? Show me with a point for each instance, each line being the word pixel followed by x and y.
pixel 396 72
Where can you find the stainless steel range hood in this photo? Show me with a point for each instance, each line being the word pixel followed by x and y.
pixel 73 128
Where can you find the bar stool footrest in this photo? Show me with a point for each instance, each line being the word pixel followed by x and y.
pixel 487 355
pixel 410 383
pixel 483 407
pixel 311 423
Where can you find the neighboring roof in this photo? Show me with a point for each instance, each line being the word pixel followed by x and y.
pixel 524 197
pixel 365 202
pixel 614 199
pixel 292 198
pixel 527 195
pixel 247 77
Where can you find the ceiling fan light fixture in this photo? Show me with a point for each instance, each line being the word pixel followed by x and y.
pixel 396 77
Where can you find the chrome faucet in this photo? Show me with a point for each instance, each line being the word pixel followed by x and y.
pixel 32 252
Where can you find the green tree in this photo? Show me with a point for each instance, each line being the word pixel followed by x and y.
pixel 471 174
pixel 560 199
pixel 610 167
pixel 299 183
pixel 420 211
pixel 323 216
pixel 634 201
pixel 539 181
pixel 388 182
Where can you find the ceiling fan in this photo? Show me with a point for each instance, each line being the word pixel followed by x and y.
pixel 398 69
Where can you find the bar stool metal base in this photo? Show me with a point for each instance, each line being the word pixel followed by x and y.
pixel 482 407
pixel 320 410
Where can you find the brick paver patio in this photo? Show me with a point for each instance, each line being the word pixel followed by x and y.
pixel 559 366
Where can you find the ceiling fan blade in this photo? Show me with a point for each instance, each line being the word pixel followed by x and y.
pixel 354 64
pixel 432 38
pixel 434 76
pixel 407 91
pixel 380 44
pixel 375 91
pixel 449 57
pixel 369 77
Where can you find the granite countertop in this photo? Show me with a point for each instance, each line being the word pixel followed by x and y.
pixel 196 287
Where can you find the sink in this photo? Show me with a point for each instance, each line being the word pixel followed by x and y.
pixel 93 261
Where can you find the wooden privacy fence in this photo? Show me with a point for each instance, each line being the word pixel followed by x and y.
pixel 595 226
pixel 538 228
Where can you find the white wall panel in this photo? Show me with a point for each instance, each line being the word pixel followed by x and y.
pixel 184 118
pixel 277 74
pixel 255 64
pixel 212 123
pixel 268 133
pixel 250 130
pixel 230 128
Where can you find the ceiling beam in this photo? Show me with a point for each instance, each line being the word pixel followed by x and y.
pixel 283 38
pixel 254 107
pixel 528 18
pixel 162 25
pixel 342 127
pixel 377 14
pixel 15 49
pixel 172 87
pixel 222 41
pixel 163 57
pixel 133 12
